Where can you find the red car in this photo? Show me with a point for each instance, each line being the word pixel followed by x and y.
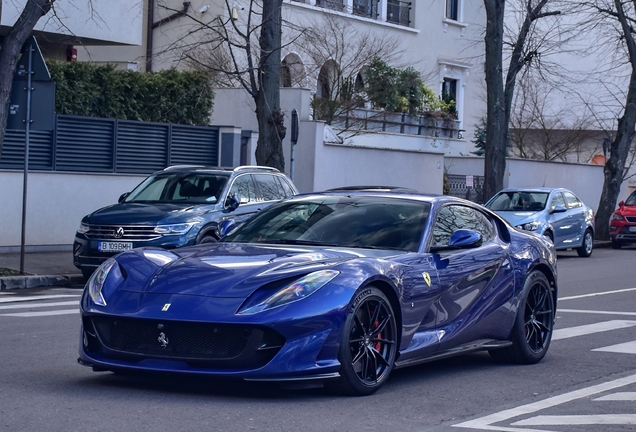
pixel 623 222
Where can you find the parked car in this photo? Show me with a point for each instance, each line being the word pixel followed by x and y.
pixel 623 222
pixel 340 287
pixel 178 206
pixel 553 212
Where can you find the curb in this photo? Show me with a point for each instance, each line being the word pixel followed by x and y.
pixel 24 282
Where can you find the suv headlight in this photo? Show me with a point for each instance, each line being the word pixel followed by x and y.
pixel 530 226
pixel 174 229
pixel 617 217
pixel 83 228
pixel 295 291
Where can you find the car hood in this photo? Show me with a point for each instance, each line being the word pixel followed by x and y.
pixel 231 270
pixel 519 217
pixel 626 210
pixel 144 214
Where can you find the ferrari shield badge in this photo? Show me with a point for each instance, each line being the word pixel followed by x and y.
pixel 167 306
pixel 427 278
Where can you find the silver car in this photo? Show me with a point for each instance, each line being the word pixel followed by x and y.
pixel 553 212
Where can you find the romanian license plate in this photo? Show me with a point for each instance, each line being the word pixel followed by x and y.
pixel 632 229
pixel 114 246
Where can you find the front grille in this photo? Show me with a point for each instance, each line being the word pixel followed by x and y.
pixel 216 345
pixel 631 219
pixel 131 232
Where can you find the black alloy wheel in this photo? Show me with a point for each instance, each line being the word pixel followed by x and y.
pixel 532 331
pixel 368 345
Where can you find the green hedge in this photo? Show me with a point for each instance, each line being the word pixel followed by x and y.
pixel 169 96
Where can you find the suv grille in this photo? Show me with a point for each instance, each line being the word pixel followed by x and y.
pixel 216 345
pixel 631 219
pixel 131 232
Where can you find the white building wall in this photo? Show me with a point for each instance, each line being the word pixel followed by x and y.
pixel 112 21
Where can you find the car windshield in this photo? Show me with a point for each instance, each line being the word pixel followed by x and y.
pixel 518 201
pixel 631 200
pixel 193 188
pixel 339 221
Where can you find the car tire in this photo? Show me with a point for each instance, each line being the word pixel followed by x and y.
pixel 207 239
pixel 368 344
pixel 532 330
pixel 616 244
pixel 549 235
pixel 588 244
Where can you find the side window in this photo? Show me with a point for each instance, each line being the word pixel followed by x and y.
pixel 244 186
pixel 572 200
pixel 286 187
pixel 268 187
pixel 557 200
pixel 453 217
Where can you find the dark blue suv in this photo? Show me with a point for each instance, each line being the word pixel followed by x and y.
pixel 179 206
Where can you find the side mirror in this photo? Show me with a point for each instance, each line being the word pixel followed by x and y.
pixel 621 204
pixel 226 227
pixel 232 202
pixel 122 197
pixel 558 209
pixel 461 239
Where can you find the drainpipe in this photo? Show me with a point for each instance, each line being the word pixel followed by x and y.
pixel 153 25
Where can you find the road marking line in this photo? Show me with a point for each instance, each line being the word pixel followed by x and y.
pixel 34 298
pixel 599 419
pixel 37 305
pixel 623 348
pixel 619 396
pixel 596 294
pixel 597 312
pixel 486 422
pixel 38 314
pixel 591 328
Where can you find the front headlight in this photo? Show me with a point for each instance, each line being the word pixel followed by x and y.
pixel 617 217
pixel 83 228
pixel 174 229
pixel 95 283
pixel 530 226
pixel 295 291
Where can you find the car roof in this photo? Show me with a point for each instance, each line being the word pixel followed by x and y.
pixel 535 189
pixel 219 170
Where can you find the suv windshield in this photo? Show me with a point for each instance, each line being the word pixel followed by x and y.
pixel 518 201
pixel 631 200
pixel 193 188
pixel 361 222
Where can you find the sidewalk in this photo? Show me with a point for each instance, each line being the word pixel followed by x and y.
pixel 43 269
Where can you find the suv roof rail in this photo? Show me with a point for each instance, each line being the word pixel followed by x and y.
pixel 257 167
pixel 374 188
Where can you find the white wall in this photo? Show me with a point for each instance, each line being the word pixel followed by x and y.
pixel 112 21
pixel 56 204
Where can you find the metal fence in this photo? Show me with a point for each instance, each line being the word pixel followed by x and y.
pixel 88 144
pixel 459 188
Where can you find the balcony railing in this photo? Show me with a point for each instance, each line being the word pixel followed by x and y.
pixel 395 11
pixel 398 12
pixel 331 4
pixel 366 8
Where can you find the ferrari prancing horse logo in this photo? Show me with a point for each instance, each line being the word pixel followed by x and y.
pixel 427 278
pixel 167 306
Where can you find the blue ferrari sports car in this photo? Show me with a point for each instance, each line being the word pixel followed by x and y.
pixel 339 287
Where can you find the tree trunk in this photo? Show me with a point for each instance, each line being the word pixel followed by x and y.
pixel 615 165
pixel 9 51
pixel 271 127
pixel 497 122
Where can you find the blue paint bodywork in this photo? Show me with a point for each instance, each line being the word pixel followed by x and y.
pixel 445 302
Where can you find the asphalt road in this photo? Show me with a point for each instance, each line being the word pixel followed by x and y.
pixel 587 382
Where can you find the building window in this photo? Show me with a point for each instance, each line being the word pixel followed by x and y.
pixel 449 90
pixel 452 9
pixel 398 12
